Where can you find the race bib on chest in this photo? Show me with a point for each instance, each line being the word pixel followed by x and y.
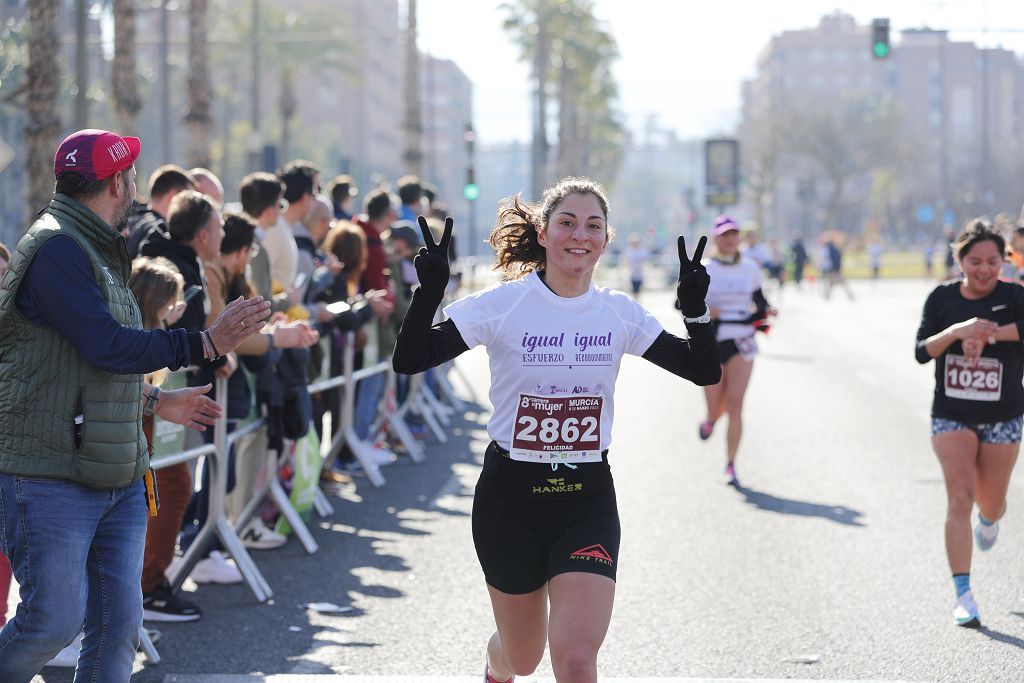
pixel 980 382
pixel 557 429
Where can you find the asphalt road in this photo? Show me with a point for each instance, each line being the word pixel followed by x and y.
pixel 827 564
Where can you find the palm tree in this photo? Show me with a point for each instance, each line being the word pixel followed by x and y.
pixel 586 91
pixel 123 82
pixel 43 82
pixel 528 21
pixel 198 119
pixel 413 154
pixel 568 48
pixel 288 106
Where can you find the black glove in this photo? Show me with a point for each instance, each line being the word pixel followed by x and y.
pixel 431 262
pixel 692 289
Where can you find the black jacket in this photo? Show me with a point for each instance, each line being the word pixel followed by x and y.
pixel 143 225
pixel 187 261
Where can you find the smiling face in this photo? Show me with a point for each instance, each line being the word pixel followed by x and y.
pixel 575 236
pixel 981 264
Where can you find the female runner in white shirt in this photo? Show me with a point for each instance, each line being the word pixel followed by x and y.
pixel 545 521
pixel 737 306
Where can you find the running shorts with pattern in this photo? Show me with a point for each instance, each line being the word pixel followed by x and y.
pixel 1007 431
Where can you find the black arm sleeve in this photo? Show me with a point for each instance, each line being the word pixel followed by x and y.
pixel 761 304
pixel 419 346
pixel 696 359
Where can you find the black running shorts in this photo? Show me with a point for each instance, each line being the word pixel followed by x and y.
pixel 531 523
pixel 727 349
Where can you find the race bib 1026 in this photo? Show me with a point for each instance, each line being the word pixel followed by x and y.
pixel 557 428
pixel 982 381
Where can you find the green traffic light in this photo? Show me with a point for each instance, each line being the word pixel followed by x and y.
pixel 881 50
pixel 471 191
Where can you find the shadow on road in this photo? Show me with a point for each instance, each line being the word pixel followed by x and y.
pixel 1001 637
pixel 834 513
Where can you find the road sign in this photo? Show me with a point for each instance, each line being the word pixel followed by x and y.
pixel 721 172
pixel 6 155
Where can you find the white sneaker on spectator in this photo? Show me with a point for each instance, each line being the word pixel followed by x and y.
pixel 382 456
pixel 216 568
pixel 68 657
pixel 258 536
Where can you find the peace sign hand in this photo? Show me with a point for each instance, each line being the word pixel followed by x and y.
pixel 432 260
pixel 692 289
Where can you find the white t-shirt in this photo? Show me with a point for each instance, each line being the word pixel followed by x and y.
pixel 636 257
pixel 542 346
pixel 282 252
pixel 731 292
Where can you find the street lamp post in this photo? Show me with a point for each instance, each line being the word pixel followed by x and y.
pixel 471 191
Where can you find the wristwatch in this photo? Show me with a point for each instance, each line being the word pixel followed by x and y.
pixel 706 318
pixel 151 398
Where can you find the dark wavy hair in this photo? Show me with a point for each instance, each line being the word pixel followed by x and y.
pixel 514 236
pixel 977 230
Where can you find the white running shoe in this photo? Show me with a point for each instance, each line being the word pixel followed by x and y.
pixel 68 657
pixel 382 456
pixel 258 536
pixel 216 568
pixel 985 535
pixel 965 611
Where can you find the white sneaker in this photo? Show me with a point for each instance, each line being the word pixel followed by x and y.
pixel 381 456
pixel 985 535
pixel 257 536
pixel 68 657
pixel 216 568
pixel 965 611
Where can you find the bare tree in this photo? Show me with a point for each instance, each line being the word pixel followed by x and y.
pixel 199 119
pixel 123 79
pixel 760 140
pixel 845 141
pixel 43 82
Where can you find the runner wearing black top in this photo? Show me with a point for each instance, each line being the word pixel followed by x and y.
pixel 545 522
pixel 973 329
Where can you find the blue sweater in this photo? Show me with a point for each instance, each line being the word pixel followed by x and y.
pixel 58 290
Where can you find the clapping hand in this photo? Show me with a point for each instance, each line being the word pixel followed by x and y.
pixel 692 289
pixel 239 320
pixel 431 262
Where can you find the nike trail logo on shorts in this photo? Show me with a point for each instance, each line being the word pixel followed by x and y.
pixel 592 553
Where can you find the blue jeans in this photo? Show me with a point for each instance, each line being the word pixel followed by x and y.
pixel 368 394
pixel 77 555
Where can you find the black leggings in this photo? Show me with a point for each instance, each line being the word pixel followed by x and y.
pixel 531 523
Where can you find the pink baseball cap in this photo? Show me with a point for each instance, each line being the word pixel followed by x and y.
pixel 95 154
pixel 724 224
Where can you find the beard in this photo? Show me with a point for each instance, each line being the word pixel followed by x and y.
pixel 120 219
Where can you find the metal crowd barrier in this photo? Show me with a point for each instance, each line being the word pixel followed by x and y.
pixel 419 398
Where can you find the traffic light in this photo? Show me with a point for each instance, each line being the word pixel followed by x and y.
pixel 471 191
pixel 880 38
